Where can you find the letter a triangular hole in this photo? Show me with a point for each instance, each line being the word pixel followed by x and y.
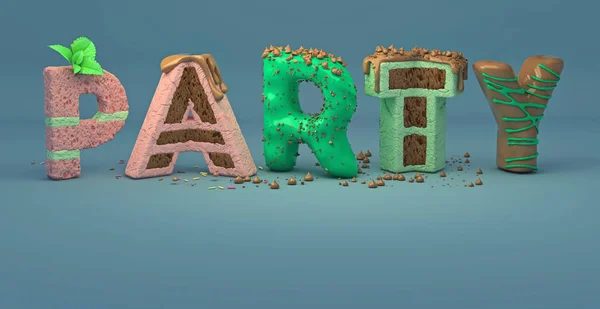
pixel 190 85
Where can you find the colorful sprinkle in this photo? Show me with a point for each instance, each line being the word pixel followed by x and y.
pixel 221 187
pixel 203 174
pixel 196 178
pixel 211 188
pixel 231 187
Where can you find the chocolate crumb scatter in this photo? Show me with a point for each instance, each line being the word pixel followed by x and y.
pixel 380 182
pixel 292 181
pixel 247 179
pixel 401 177
pixel 365 165
pixel 353 179
pixel 238 180
pixel 215 174
pixel 366 160
pixel 382 54
pixel 459 168
pixel 443 174
pixel 368 154
pixel 420 179
pixel 471 184
pixel 345 184
pixel 467 155
pixel 256 180
pixel 411 180
pixel 363 182
pixel 479 171
pixel 372 184
pixel 478 182
pixel 360 171
pixel 388 176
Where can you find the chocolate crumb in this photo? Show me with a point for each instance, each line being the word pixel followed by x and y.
pixel 360 171
pixel 216 174
pixel 366 160
pixel 360 156
pixel 368 154
pixel 459 168
pixel 238 180
pixel 479 172
pixel 256 180
pixel 363 182
pixel 467 161
pixel 478 182
pixel 388 176
pixel 443 174
pixel 274 185
pixel 302 182
pixel 411 180
pixel 401 177
pixel 345 184
pixel 372 184
pixel 308 177
pixel 365 165
pixel 353 179
pixel 247 179
pixel 292 181
pixel 471 184
pixel 420 179
pixel 467 155
pixel 381 183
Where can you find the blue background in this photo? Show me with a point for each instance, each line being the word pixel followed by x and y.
pixel 518 241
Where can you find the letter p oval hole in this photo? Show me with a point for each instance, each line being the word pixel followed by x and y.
pixel 286 125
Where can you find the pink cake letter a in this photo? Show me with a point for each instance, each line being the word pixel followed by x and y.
pixel 66 134
pixel 190 112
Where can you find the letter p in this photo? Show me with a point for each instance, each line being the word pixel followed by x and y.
pixel 66 134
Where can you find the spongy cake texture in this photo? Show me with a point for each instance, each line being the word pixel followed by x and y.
pixel 413 120
pixel 66 134
pixel 212 130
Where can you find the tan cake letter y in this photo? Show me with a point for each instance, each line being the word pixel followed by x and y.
pixel 518 105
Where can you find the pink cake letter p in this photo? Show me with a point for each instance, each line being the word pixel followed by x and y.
pixel 66 134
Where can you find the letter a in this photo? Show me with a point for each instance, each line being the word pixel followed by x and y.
pixel 190 85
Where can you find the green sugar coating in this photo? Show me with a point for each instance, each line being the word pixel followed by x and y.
pixel 491 83
pixel 391 124
pixel 62 155
pixel 286 125
pixel 74 121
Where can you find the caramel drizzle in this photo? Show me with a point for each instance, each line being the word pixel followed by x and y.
pixel 391 54
pixel 208 65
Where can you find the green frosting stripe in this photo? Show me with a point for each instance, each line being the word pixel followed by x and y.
pixel 62 155
pixel 74 121
pixel 534 121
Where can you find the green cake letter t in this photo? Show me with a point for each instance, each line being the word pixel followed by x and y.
pixel 413 87
pixel 286 125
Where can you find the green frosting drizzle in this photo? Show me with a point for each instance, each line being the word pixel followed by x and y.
pixel 74 121
pixel 62 155
pixel 491 83
pixel 286 125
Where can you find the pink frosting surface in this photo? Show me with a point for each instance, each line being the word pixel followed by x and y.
pixel 154 124
pixel 62 90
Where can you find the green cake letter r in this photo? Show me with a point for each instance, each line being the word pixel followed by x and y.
pixel 286 125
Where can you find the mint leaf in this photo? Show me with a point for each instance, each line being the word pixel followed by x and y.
pixel 64 51
pixel 90 51
pixel 90 71
pixel 76 68
pixel 90 64
pixel 77 58
pixel 80 44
